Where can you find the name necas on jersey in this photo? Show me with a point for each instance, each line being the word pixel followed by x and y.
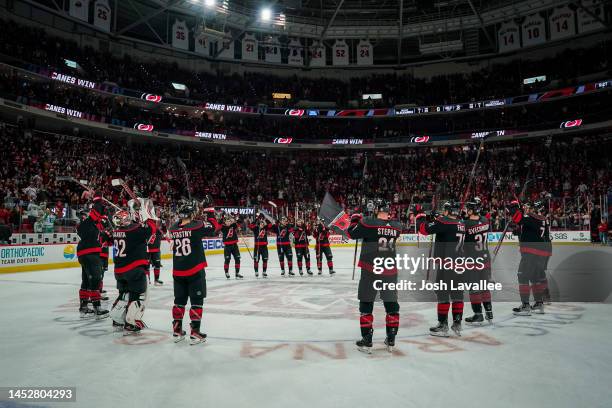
pixel 130 244
pixel 188 256
pixel 379 241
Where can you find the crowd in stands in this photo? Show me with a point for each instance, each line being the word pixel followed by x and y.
pixel 34 46
pixel 574 171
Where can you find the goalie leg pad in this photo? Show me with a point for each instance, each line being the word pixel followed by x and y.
pixel 119 309
pixel 135 311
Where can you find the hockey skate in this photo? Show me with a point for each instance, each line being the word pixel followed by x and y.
pixel 131 329
pixel 301 273
pixel 196 337
pixel 320 272
pixel 291 273
pixel 100 313
pixel 103 296
pixel 476 320
pixel 309 272
pixel 489 316
pixel 85 312
pixel 441 330
pixel 365 344
pixel 264 275
pixel 117 327
pixel 390 343
pixel 283 272
pixel 158 282
pixel 332 272
pixel 178 334
pixel 538 308
pixel 257 274
pixel 522 310
pixel 456 327
pixel 227 275
pixel 239 276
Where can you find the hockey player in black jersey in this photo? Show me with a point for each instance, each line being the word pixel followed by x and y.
pixel 321 234
pixel 534 242
pixel 154 251
pixel 88 252
pixel 476 246
pixel 300 236
pixel 449 231
pixel 283 230
pixel 260 232
pixel 379 236
pixel 229 232
pixel 130 237
pixel 188 269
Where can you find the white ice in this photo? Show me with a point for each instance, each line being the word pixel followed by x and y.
pixel 290 342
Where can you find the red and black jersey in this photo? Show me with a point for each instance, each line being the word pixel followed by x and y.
pixel 260 234
pixel 534 235
pixel 106 240
pixel 230 234
pixel 89 234
pixel 155 245
pixel 449 235
pixel 300 236
pixel 379 239
pixel 188 256
pixel 130 245
pixel 476 241
pixel 282 234
pixel 321 234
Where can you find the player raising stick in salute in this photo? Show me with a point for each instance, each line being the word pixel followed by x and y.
pixel 188 268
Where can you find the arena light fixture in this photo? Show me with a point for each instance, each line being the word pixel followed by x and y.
pixel 266 14
pixel 210 3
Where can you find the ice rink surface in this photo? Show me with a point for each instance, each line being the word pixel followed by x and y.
pixel 290 342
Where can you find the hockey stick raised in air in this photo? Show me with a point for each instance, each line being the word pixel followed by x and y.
pixel 363 177
pixel 128 190
pixel 472 173
pixel 503 236
pixel 84 184
pixel 183 167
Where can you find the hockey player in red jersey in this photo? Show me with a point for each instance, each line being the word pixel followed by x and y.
pixel 535 246
pixel 188 269
pixel 154 251
pixel 321 234
pixel 476 245
pixel 300 236
pixel 379 236
pixel 260 230
pixel 229 231
pixel 283 230
pixel 130 237
pixel 88 252
pixel 449 231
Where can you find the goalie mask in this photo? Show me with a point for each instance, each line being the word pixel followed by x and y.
pixel 121 218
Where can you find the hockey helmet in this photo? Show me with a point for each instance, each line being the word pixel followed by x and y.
pixel 186 209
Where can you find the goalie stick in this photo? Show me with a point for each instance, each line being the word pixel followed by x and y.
pixel 183 167
pixel 84 184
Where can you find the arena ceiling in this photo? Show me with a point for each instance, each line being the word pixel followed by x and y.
pixel 395 27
